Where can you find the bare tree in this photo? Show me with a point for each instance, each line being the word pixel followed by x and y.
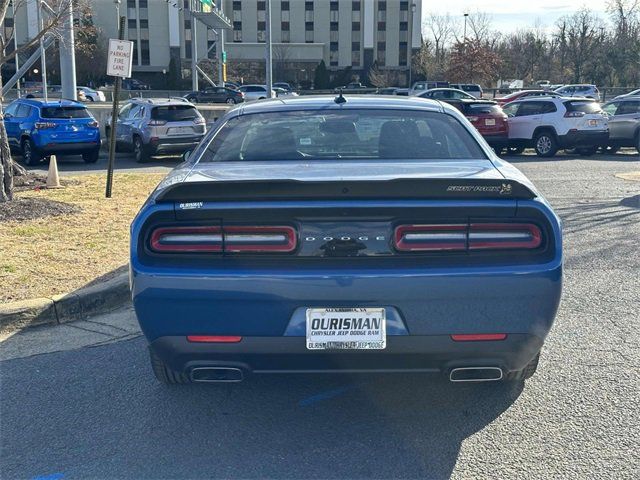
pixel 52 26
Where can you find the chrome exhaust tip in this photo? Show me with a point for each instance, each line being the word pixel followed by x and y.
pixel 476 374
pixel 216 375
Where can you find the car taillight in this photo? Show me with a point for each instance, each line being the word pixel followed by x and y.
pixel 574 114
pixel 423 238
pixel 231 239
pixel 93 124
pixel 476 236
pixel 45 125
pixel 504 236
pixel 472 119
pixel 157 123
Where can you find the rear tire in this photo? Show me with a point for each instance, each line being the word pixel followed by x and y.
pixel 91 156
pixel 139 152
pixel 545 144
pixel 164 374
pixel 30 155
pixel 526 373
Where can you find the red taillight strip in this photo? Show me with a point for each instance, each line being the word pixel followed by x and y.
pixel 259 239
pixel 415 238
pixel 478 337
pixel 504 235
pixel 214 338
pixel 187 239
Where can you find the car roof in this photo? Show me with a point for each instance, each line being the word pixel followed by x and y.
pixel 161 101
pixel 327 102
pixel 41 102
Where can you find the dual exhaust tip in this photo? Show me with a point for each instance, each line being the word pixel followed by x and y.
pixel 234 375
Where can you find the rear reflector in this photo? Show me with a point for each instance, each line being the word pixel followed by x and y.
pixel 213 339
pixel 457 237
pixel 232 239
pixel 478 337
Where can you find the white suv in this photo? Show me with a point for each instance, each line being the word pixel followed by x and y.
pixel 584 91
pixel 550 123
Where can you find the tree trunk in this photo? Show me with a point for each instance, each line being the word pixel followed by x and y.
pixel 6 162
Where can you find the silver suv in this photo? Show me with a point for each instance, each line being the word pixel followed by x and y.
pixel 154 126
pixel 624 122
pixel 584 91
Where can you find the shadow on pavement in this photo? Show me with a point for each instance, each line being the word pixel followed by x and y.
pixel 627 155
pixel 98 412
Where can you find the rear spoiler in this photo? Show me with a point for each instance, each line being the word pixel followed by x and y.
pixel 404 188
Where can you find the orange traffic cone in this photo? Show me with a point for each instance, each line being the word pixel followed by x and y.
pixel 53 180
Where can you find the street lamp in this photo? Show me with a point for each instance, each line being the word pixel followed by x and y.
pixel 117 2
pixel 464 40
pixel 410 42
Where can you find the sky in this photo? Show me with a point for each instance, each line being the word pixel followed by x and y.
pixel 511 15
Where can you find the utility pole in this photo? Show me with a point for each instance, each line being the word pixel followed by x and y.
pixel 220 51
pixel 412 9
pixel 43 57
pixel 15 46
pixel 464 45
pixel 67 55
pixel 194 50
pixel 267 18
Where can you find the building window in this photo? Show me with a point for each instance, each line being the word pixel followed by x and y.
pixel 144 52
pixel 308 6
pixel 333 46
pixel 404 26
pixel 237 25
pixel 355 26
pixel 355 58
pixel 135 50
pixel 187 23
pixel 142 4
pixel 403 53
pixel 333 58
pixel 237 35
pixel 285 26
pixel 333 6
pixel 382 50
pixel 334 26
pixel 187 49
pixel 285 6
pixel 131 23
pixel 382 5
pixel 308 26
pixel 382 26
pixel 144 23
pixel 237 5
pixel 404 5
pixel 262 5
pixel 355 46
pixel 131 3
pixel 355 5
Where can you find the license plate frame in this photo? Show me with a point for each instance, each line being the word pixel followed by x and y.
pixel 363 328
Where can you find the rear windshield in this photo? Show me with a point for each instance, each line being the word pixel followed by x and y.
pixel 483 108
pixel 64 112
pixel 174 113
pixel 583 106
pixel 342 135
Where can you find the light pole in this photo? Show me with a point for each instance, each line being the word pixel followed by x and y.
pixel 43 55
pixel 410 42
pixel 464 40
pixel 268 72
pixel 117 3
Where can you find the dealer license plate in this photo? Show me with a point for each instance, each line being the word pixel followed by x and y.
pixel 490 121
pixel 593 123
pixel 180 131
pixel 346 329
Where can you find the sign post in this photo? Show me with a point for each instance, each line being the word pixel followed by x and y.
pixel 119 66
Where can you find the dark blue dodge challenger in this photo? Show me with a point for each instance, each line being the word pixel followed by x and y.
pixel 346 234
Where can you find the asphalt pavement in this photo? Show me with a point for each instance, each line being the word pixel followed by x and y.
pixel 80 401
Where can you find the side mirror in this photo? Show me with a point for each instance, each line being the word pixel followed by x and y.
pixel 7 115
pixel 186 155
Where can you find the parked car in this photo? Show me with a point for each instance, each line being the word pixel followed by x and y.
pixel 624 122
pixel 404 92
pixel 233 85
pixel 525 93
pixel 419 87
pixel 633 93
pixel 387 91
pixel 216 95
pixel 37 129
pixel 550 123
pixel 584 91
pixel 92 95
pixel 134 84
pixel 351 87
pixel 471 88
pixel 490 121
pixel 255 92
pixel 283 85
pixel 55 91
pixel 367 234
pixel 155 126
pixel 449 95
pixel 281 92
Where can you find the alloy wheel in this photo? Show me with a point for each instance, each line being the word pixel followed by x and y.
pixel 543 145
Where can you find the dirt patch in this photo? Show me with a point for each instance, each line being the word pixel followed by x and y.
pixel 21 209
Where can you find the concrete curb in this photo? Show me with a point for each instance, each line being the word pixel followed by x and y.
pixel 78 305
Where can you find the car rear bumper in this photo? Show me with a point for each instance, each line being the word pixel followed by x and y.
pixel 584 138
pixel 497 140
pixel 429 354
pixel 68 148
pixel 173 145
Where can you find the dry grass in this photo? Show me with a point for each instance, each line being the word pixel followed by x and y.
pixel 53 255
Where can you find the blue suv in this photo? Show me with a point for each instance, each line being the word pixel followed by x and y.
pixel 37 128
